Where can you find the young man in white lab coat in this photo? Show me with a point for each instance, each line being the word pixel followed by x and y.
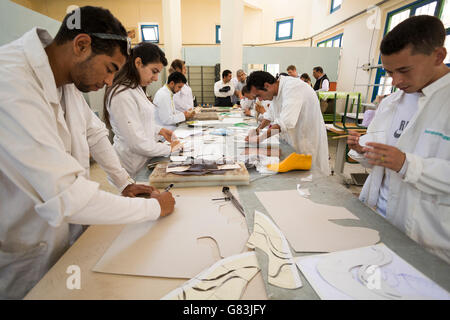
pixel 183 99
pixel 47 133
pixel 407 144
pixel 167 115
pixel 295 113
pixel 224 90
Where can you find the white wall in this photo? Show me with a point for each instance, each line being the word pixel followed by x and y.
pixel 15 20
pixel 304 58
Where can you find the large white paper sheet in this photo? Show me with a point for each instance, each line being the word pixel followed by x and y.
pixel 399 275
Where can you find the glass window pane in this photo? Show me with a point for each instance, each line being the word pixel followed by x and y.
pixel 149 33
pixel 329 44
pixel 427 9
pixel 219 34
pixel 386 86
pixel 322 45
pixel 399 17
pixel 447 46
pixel 284 30
pixel 446 14
pixel 336 43
pixel 336 3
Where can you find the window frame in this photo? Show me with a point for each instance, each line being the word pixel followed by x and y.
pixel 141 31
pixel 291 21
pixel 218 28
pixel 334 9
pixel 339 36
pixel 413 7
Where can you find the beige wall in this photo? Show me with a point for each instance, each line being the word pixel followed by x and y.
pixel 312 24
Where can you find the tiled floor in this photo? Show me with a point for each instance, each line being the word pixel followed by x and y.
pixel 97 173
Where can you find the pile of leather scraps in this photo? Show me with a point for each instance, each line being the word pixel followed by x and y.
pixel 199 169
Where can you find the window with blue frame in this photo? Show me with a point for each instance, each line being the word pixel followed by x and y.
pixel 335 5
pixel 334 42
pixel 150 33
pixel 284 29
pixel 218 34
pixel 438 8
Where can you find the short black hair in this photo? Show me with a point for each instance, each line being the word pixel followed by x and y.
pixel 93 20
pixel 258 78
pixel 225 73
pixel 318 69
pixel 423 33
pixel 176 77
pixel 245 89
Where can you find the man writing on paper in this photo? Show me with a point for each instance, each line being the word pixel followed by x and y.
pixel 295 112
pixel 47 132
pixel 167 115
pixel 407 144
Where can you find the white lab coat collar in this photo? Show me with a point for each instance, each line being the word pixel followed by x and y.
pixel 436 85
pixel 35 41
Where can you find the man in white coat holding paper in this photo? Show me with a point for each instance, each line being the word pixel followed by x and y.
pixel 295 113
pixel 407 144
pixel 47 132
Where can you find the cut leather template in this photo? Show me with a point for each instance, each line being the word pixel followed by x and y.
pixel 168 247
pixel 224 280
pixel 282 271
pixel 307 225
pixel 368 273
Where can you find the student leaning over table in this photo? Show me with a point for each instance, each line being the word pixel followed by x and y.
pixel 47 132
pixel 294 112
pixel 408 144
pixel 131 115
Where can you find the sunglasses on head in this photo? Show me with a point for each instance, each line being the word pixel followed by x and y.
pixel 108 36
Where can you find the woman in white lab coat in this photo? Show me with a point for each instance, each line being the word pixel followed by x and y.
pixel 130 114
pixel 183 99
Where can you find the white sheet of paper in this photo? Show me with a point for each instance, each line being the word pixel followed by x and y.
pixel 399 274
pixel 178 158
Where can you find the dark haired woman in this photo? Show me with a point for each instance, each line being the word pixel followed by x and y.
pixel 130 114
pixel 183 99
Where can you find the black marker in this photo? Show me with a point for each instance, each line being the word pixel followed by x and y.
pixel 169 187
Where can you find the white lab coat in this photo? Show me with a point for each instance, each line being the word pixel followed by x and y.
pixel 183 99
pixel 419 203
pixel 135 131
pixel 44 167
pixel 166 115
pixel 219 85
pixel 296 110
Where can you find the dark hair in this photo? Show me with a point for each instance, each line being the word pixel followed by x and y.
pixel 424 33
pixel 245 89
pixel 282 74
pixel 318 69
pixel 291 67
pixel 225 73
pixel 305 76
pixel 128 76
pixel 176 64
pixel 93 20
pixel 258 78
pixel 176 77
